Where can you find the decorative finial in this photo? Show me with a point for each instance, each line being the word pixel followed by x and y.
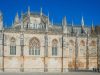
pixel 72 27
pixel 72 23
pixel 41 12
pixel 28 10
pixel 48 18
pixel 17 18
pixel 21 15
pixel 92 28
pixel 0 13
pixel 92 24
pixel 0 16
pixel 22 21
pixel 52 21
pixel 64 25
pixel 65 22
pixel 82 22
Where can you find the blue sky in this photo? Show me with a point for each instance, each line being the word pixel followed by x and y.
pixel 72 9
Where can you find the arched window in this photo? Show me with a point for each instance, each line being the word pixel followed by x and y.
pixel 13 46
pixel 34 47
pixel 54 47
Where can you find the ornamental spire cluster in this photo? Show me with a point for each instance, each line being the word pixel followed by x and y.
pixel 18 21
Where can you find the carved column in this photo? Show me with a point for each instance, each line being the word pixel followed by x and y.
pixel 3 51
pixel 62 52
pixel 64 36
pixel 22 51
pixel 98 51
pixel 2 48
pixel 76 52
pixel 46 52
pixel 87 53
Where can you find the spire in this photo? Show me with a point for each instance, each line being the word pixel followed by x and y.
pixel 52 21
pixel 0 13
pixel 92 25
pixel 0 16
pixel 64 25
pixel 22 20
pixel 72 23
pixel 72 27
pixel 28 17
pixel 82 22
pixel 41 12
pixel 65 21
pixel 88 32
pixel 1 21
pixel 92 28
pixel 17 18
pixel 21 16
pixel 28 10
pixel 47 25
pixel 48 19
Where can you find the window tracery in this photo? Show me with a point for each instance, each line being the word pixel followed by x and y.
pixel 54 47
pixel 34 47
pixel 13 46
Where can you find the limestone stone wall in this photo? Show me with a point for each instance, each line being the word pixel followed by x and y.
pixel 8 42
pixel 71 52
pixel 49 63
pixel 54 64
pixel 1 64
pixel 50 39
pixel 92 53
pixel 28 37
pixel 82 48
pixel 33 64
pixel 12 64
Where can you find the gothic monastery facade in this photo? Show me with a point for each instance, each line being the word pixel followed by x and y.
pixel 35 44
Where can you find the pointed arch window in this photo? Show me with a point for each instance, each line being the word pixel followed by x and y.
pixel 54 47
pixel 13 46
pixel 34 47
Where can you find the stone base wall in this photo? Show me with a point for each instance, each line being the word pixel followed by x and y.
pixel 41 64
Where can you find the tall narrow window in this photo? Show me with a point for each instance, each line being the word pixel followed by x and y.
pixel 13 47
pixel 34 47
pixel 54 48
